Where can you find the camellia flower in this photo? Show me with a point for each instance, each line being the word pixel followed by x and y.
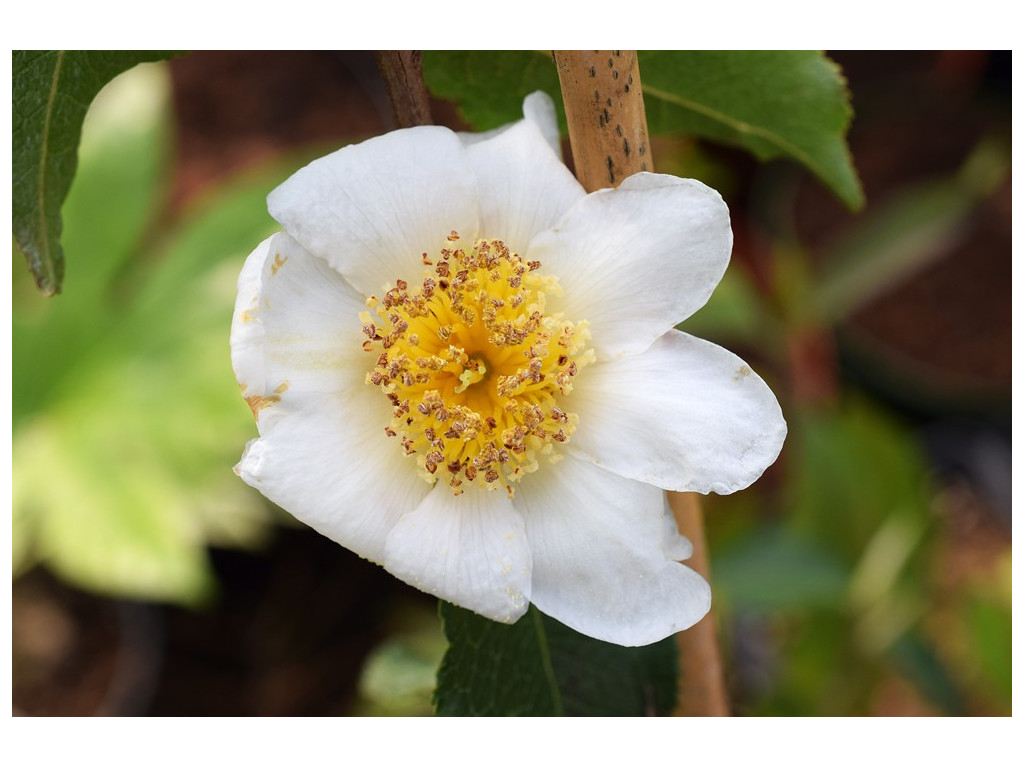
pixel 464 368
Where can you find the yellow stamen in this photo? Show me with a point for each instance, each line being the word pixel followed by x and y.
pixel 473 366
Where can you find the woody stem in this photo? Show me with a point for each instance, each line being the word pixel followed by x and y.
pixel 604 109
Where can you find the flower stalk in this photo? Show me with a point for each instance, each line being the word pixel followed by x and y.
pixel 604 109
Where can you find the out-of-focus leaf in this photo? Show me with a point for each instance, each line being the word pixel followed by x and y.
pixel 100 517
pixel 860 486
pixel 915 227
pixel 122 460
pixel 733 313
pixel 51 91
pixel 918 661
pixel 538 666
pixel 884 607
pixel 899 238
pixel 796 664
pixel 880 625
pixel 772 569
pixel 398 680
pixel 399 675
pixel 991 635
pixel 884 557
pixel 852 468
pixel 122 173
pixel 771 103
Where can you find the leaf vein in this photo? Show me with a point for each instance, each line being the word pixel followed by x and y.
pixel 736 124
pixel 44 149
pixel 545 658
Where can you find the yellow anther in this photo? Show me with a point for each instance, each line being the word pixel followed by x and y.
pixel 474 366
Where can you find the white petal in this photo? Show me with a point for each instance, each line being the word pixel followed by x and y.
pixel 636 260
pixel 673 543
pixel 685 415
pixel 524 187
pixel 247 327
pixel 330 465
pixel 296 348
pixel 539 109
pixel 296 328
pixel 373 208
pixel 470 550
pixel 598 563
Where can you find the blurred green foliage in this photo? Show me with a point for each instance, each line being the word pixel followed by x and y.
pixel 127 419
pixel 912 227
pixel 826 583
pixel 399 676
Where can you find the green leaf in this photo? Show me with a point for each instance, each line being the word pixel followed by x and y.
pixel 100 512
pixel 909 231
pixel 853 468
pixel 735 312
pixel 538 666
pixel 772 103
pixel 124 470
pixel 121 177
pixel 489 86
pixel 773 569
pixel 51 91
pixel 127 417
pixel 916 659
pixel 991 632
pixel 914 227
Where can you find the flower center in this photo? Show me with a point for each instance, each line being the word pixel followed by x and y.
pixel 474 366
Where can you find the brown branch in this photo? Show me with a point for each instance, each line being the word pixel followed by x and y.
pixel 701 678
pixel 604 108
pixel 403 76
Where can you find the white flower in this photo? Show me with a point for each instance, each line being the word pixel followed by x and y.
pixel 464 368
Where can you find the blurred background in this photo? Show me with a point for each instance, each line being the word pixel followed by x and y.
pixel 867 573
